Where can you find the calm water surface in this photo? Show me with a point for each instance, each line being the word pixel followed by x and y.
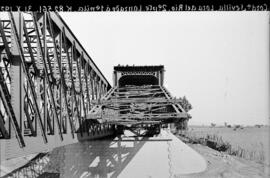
pixel 126 156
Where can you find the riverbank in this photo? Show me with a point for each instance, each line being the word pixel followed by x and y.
pixel 239 156
pixel 226 166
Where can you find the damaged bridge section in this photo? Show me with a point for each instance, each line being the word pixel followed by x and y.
pixel 139 100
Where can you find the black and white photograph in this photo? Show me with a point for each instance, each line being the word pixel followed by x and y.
pixel 145 94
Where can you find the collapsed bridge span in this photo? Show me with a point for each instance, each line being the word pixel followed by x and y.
pixel 139 100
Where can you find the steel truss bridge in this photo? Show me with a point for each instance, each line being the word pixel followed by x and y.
pixel 53 94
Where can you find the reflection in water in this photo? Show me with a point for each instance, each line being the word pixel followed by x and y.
pixel 98 158
pixel 124 156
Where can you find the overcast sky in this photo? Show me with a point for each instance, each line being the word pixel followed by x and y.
pixel 218 60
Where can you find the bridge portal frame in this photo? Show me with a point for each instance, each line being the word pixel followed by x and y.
pixel 156 72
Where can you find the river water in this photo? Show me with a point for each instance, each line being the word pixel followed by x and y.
pixel 126 156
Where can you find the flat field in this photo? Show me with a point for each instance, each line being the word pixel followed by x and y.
pixel 253 140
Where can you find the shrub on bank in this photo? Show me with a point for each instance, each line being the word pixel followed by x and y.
pixel 217 143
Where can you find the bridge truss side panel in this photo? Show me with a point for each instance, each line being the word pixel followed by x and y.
pixel 47 84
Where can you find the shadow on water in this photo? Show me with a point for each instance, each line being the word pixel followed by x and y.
pixel 97 158
pixel 49 175
pixel 95 130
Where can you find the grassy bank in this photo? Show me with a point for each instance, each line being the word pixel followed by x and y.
pixel 247 142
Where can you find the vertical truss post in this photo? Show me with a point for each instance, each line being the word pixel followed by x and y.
pixel 79 67
pixel 92 84
pixel 45 107
pixel 17 81
pixel 5 96
pixel 6 133
pixel 81 104
pixel 18 45
pixel 49 81
pixel 47 76
pixel 29 121
pixel 92 78
pixel 79 63
pixel 100 89
pixel 96 86
pixel 45 121
pixel 62 80
pixel 86 82
pixel 105 89
pixel 27 39
pixel 72 81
